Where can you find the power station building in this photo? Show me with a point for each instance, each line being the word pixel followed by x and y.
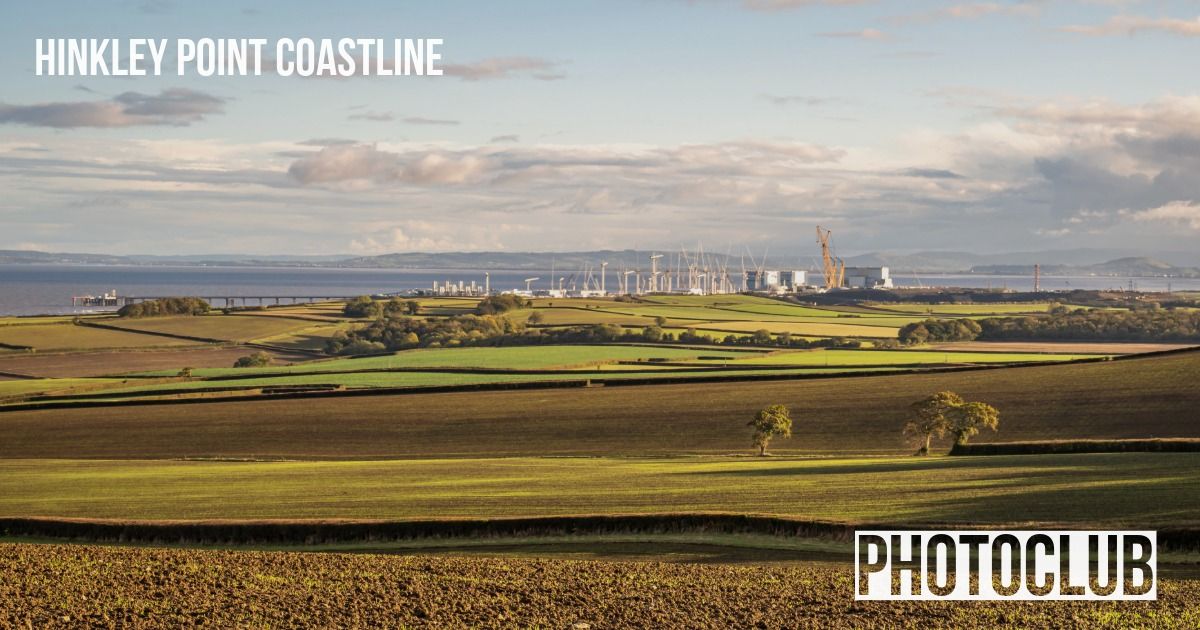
pixel 868 278
pixel 775 281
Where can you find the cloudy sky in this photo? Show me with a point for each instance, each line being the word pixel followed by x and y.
pixel 570 125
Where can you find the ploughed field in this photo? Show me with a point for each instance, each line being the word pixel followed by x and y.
pixel 70 586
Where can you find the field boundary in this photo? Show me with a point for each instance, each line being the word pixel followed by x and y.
pixel 1057 447
pixel 317 532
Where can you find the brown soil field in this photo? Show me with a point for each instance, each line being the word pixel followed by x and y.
pixel 72 586
pixel 122 361
pixel 1068 347
pixel 1133 398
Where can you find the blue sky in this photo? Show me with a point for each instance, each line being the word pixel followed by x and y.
pixel 569 125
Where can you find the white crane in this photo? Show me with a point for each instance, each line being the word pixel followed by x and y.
pixel 528 284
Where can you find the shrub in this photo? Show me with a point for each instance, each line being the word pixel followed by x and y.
pixel 258 359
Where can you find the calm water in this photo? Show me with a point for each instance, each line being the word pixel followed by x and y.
pixel 38 289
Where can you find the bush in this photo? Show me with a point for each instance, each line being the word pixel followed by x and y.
pixel 258 359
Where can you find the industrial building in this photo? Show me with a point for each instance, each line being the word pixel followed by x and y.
pixel 868 278
pixel 775 281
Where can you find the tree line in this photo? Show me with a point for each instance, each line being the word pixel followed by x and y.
pixel 165 306
pixel 1062 323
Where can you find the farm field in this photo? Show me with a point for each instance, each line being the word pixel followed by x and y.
pixel 233 328
pixel 898 357
pixel 960 310
pixel 1068 347
pixel 101 363
pixel 510 357
pixel 1130 398
pixel 66 336
pixel 48 586
pixel 999 490
pixel 19 387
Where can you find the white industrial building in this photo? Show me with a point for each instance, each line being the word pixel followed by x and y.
pixel 775 281
pixel 868 278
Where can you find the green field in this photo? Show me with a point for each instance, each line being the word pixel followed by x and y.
pixel 966 309
pixel 511 357
pixel 1077 489
pixel 899 357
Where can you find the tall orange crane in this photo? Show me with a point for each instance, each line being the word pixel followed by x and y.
pixel 835 268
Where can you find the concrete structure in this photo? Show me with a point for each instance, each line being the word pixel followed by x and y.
pixel 868 278
pixel 793 280
pixel 775 281
pixel 762 280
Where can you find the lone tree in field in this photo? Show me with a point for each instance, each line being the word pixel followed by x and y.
pixel 928 418
pixel 770 422
pixel 947 412
pixel 967 419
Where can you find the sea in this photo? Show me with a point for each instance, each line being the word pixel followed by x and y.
pixel 45 289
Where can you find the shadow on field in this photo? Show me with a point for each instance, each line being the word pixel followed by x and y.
pixel 914 465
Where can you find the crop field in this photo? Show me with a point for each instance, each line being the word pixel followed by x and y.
pixel 66 336
pixel 108 362
pixel 234 328
pixel 1132 398
pixel 962 310
pixel 897 357
pixel 509 357
pixel 21 387
pixel 66 586
pixel 460 366
pixel 807 329
pixel 1065 347
pixel 1065 489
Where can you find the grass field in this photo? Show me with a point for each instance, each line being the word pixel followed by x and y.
pixel 43 586
pixel 966 309
pixel 1133 398
pixel 1077 489
pixel 898 357
pixel 65 336
pixel 234 328
pixel 21 387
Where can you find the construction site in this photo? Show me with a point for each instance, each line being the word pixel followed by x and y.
pixel 687 272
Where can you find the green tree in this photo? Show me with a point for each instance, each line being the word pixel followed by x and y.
pixel 761 337
pixel 770 422
pixel 535 318
pixel 660 321
pixel 362 306
pixel 412 307
pixel 966 420
pixel 930 417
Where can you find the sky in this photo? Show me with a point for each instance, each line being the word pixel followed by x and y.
pixel 611 124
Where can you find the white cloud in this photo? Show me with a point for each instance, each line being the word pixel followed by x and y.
pixel 1133 24
pixel 1185 213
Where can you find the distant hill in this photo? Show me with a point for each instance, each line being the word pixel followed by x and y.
pixel 1104 262
pixel 11 256
pixel 1134 266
